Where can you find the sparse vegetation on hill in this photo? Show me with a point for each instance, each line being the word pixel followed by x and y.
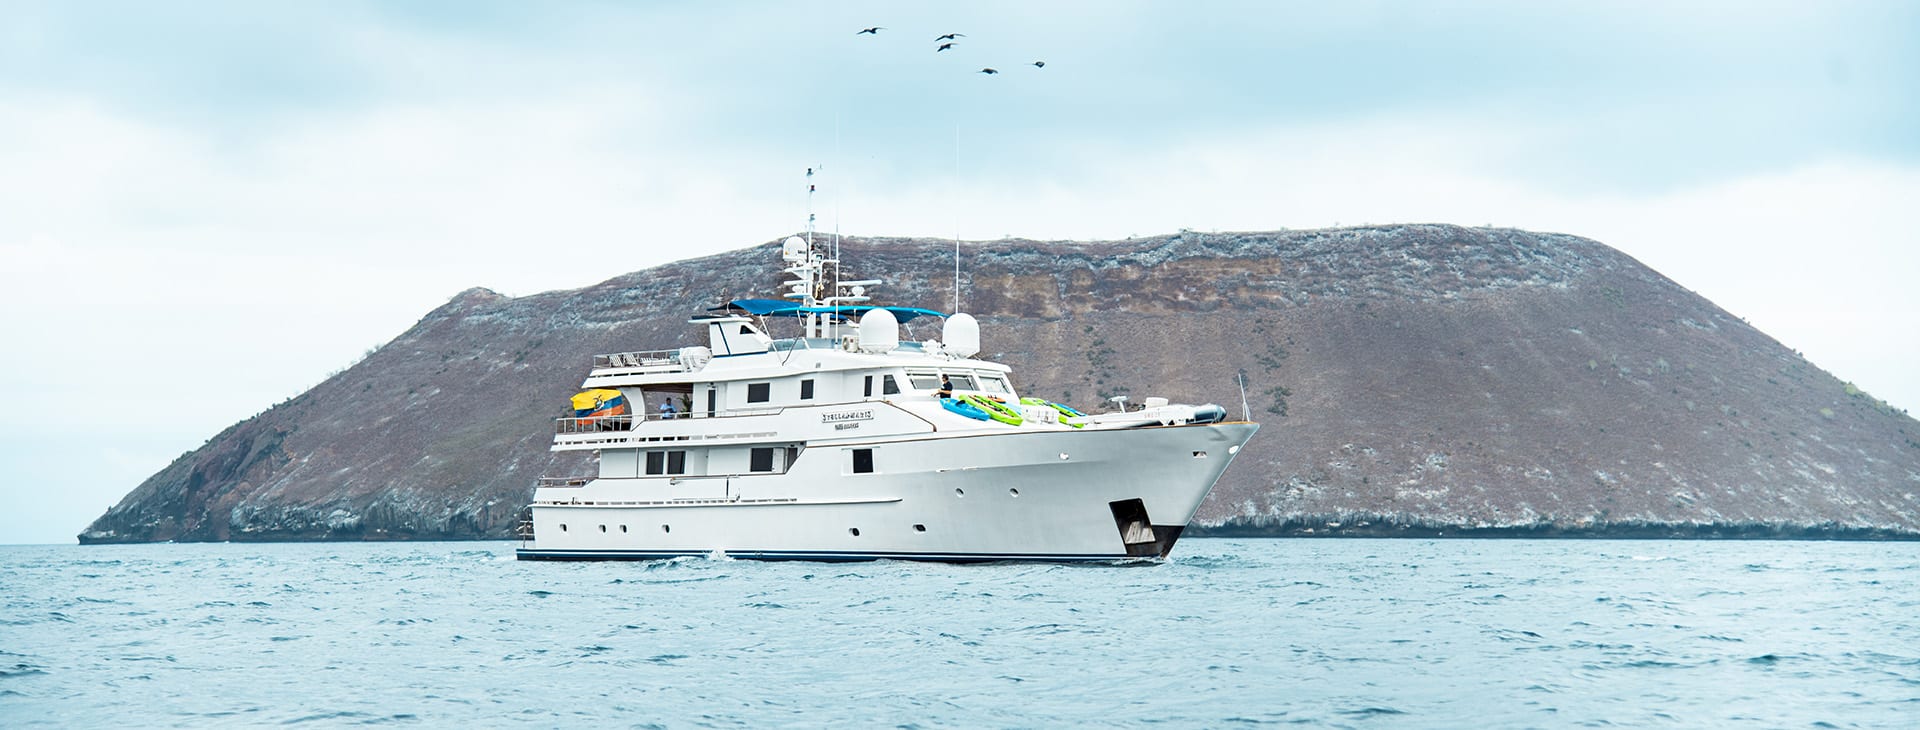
pixel 1416 379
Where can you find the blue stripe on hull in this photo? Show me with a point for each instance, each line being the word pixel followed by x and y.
pixel 817 555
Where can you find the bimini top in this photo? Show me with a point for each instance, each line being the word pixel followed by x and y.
pixel 779 308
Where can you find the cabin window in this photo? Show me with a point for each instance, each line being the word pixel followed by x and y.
pixel 806 389
pixel 759 392
pixel 868 391
pixel 863 461
pixel 963 382
pixel 924 381
pixel 761 459
pixel 666 462
pixel 994 384
pixel 746 330
pixel 712 399
pixel 889 387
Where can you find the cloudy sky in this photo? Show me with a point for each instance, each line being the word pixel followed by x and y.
pixel 205 208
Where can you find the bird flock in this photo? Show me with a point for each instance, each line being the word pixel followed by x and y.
pixel 946 42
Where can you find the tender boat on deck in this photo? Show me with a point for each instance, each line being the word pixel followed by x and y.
pixel 837 444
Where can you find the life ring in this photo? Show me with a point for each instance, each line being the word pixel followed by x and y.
pixel 996 409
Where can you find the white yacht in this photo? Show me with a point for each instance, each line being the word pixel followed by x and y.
pixel 840 444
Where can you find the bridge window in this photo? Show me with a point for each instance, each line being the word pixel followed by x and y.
pixel 868 390
pixel 759 392
pixel 889 387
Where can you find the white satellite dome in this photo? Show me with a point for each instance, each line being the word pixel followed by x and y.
pixel 879 331
pixel 962 335
pixel 793 249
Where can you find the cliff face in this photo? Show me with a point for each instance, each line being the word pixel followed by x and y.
pixel 1411 380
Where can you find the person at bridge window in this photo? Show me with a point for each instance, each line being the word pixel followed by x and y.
pixel 946 387
pixel 667 411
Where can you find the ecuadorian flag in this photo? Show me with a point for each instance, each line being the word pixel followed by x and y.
pixel 600 402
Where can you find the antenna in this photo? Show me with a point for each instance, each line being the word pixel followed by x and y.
pixel 836 213
pixel 956 219
pixel 1245 412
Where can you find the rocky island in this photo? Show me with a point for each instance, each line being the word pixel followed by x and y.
pixel 1411 380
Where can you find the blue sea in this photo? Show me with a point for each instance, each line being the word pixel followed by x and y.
pixel 1317 632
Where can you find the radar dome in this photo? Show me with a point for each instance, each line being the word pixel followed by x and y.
pixel 793 249
pixel 879 331
pixel 962 335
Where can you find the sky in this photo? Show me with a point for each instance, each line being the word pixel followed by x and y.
pixel 208 207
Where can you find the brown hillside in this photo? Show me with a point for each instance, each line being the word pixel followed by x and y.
pixel 1412 379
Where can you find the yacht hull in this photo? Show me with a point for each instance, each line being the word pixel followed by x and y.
pixel 1054 495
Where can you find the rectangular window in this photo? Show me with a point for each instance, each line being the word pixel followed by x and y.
pixel 924 381
pixel 889 387
pixel 869 388
pixel 863 461
pixel 761 460
pixel 712 398
pixel 993 384
pixel 806 389
pixel 963 382
pixel 666 462
pixel 759 392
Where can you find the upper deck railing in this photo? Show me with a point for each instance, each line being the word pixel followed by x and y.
pixel 652 360
pixel 600 424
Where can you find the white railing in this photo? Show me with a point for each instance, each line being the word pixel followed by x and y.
pixel 659 360
pixel 601 424
pixel 595 424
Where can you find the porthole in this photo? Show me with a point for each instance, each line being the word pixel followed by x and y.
pixel 1235 449
pixel 956 493
pixel 919 528
pixel 666 528
pixel 1013 492
pixel 1063 456
pixel 623 528
pixel 603 528
pixel 563 527
pixel 854 531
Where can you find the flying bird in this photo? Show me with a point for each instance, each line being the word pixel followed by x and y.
pixel 943 46
pixel 950 36
pixel 1039 64
pixel 989 70
pixel 875 30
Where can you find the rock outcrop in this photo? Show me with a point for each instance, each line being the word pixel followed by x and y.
pixel 1415 379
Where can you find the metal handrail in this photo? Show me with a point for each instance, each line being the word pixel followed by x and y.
pixel 596 424
pixel 639 359
pixel 592 424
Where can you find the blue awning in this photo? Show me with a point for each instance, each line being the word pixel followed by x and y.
pixel 778 308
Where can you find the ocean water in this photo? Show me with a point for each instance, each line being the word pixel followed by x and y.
pixel 1327 632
